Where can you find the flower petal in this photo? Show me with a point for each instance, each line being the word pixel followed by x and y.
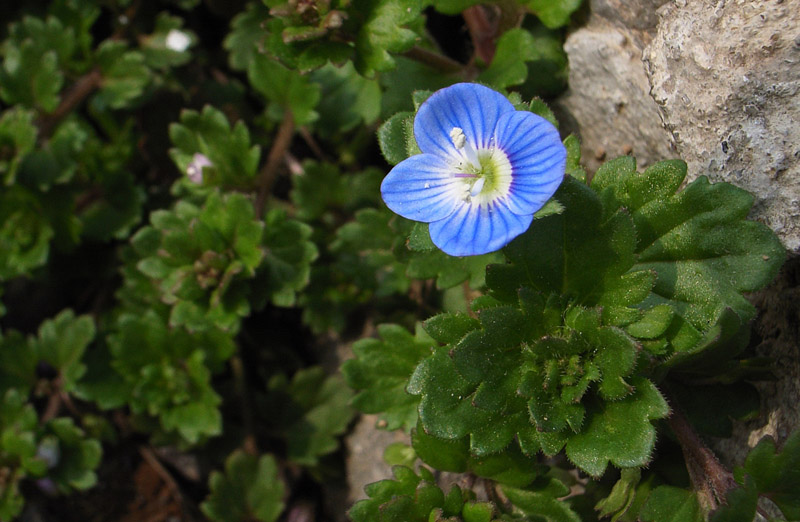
pixel 478 229
pixel 422 188
pixel 473 108
pixel 537 156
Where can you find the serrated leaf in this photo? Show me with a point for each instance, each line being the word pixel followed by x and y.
pixel 246 35
pixel 622 495
pixel 234 162
pixel 286 88
pixel 383 32
pixel 286 266
pixel 533 59
pixel 62 342
pixel 312 411
pixel 78 457
pixel 250 489
pixel 380 371
pixel 620 433
pixel 450 328
pixel 125 75
pixel 347 99
pixel 541 506
pixel 671 504
pixel 697 242
pixel 553 13
pixel 25 233
pixel 17 138
pixel 576 253
pixel 775 474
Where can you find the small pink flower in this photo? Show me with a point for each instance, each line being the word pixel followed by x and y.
pixel 195 168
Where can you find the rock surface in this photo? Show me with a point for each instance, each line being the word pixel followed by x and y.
pixel 726 75
pixel 608 101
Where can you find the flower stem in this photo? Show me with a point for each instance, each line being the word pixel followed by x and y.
pixel 270 170
pixel 710 479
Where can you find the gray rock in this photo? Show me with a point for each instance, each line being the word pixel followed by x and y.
pixel 726 75
pixel 608 97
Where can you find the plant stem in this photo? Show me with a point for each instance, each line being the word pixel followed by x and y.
pixel 437 61
pixel 80 90
pixel 237 368
pixel 709 477
pixel 280 145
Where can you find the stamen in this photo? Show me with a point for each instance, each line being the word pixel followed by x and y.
pixel 477 187
pixel 464 175
pixel 460 141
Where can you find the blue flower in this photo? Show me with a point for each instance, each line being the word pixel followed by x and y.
pixel 485 169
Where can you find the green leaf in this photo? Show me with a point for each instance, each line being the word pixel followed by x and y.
pixel 383 32
pixel 62 342
pixel 578 254
pixel 125 75
pixel 168 373
pixel 346 100
pixel 671 504
pixel 17 138
pixel 18 450
pixel 246 35
pixel 234 162
pixel 453 7
pixel 380 371
pixel 286 88
pixel 622 495
pixel 539 505
pixel 33 57
pixel 18 360
pixel 286 267
pixel 250 489
pixel 775 474
pixel 312 411
pixel 25 232
pixel 553 13
pixel 704 252
pixel 523 53
pixel 393 136
pixel 407 498
pixel 621 432
pixel 78 456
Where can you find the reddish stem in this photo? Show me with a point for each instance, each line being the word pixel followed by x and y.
pixel 270 171
pixel 710 478
pixel 79 91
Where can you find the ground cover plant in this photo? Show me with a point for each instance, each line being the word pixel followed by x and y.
pixel 201 201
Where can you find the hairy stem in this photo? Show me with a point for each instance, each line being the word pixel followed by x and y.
pixel 270 171
pixel 710 479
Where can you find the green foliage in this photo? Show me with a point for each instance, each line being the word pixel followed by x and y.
pixel 58 452
pixel 207 263
pixel 774 474
pixel 380 371
pixel 167 373
pixel 234 161
pixel 416 498
pixel 534 371
pixel 250 489
pixel 61 344
pixel 312 411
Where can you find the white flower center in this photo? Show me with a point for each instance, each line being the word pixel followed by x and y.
pixel 485 172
